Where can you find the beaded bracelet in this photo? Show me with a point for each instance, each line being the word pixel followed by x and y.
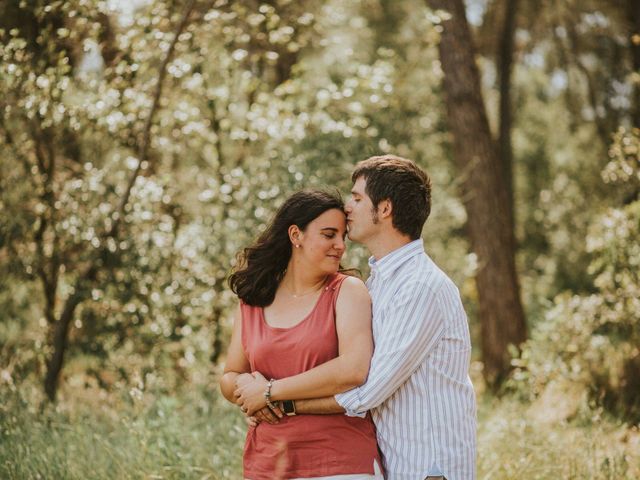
pixel 267 395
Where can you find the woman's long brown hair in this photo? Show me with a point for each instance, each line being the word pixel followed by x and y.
pixel 261 266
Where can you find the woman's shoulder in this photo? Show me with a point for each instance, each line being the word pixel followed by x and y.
pixel 338 279
pixel 352 289
pixel 351 280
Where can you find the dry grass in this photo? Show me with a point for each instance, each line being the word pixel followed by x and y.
pixel 198 436
pixel 517 441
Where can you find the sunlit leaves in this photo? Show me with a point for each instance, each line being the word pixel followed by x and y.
pixel 592 340
pixel 257 102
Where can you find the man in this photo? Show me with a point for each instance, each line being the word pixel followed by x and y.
pixel 418 389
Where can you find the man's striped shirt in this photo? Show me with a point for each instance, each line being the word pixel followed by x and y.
pixel 418 389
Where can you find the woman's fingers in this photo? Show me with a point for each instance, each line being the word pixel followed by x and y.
pixel 237 393
pixel 252 405
pixel 251 395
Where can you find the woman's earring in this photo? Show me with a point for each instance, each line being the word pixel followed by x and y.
pixel 297 246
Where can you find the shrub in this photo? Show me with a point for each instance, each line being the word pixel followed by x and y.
pixel 593 340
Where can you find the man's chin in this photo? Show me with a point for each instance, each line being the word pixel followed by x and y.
pixel 352 237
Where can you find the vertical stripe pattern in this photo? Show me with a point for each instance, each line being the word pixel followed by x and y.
pixel 418 389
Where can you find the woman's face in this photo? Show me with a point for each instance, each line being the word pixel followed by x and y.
pixel 322 242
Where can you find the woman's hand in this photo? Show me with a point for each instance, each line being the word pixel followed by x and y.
pixel 243 379
pixel 265 414
pixel 250 394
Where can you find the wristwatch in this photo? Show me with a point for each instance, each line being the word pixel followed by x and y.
pixel 289 407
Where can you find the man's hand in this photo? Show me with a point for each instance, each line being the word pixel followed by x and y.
pixel 265 414
pixel 251 421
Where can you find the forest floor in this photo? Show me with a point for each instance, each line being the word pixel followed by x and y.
pixel 197 435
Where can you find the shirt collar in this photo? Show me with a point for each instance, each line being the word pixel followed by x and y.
pixel 391 261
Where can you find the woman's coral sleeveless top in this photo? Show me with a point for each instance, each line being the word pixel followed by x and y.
pixel 303 445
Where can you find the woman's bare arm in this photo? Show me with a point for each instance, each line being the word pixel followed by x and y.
pixel 348 370
pixel 237 363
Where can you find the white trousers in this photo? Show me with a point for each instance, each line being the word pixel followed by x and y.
pixel 377 475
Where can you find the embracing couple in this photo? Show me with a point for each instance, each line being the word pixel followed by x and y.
pixel 322 402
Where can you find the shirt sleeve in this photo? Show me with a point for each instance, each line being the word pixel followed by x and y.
pixel 412 324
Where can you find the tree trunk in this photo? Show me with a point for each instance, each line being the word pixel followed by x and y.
pixel 633 8
pixel 60 342
pixel 217 338
pixel 485 195
pixel 504 61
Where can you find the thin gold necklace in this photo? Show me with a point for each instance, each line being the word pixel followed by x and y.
pixel 300 295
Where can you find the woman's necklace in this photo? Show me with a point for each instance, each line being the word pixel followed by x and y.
pixel 313 290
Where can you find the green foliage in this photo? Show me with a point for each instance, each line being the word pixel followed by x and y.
pixel 560 188
pixel 256 104
pixel 592 340
pixel 260 100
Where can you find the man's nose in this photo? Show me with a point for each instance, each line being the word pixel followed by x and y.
pixel 347 207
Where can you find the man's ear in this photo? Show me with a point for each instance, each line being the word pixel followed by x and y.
pixel 385 208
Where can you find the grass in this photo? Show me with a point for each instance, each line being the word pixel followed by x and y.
pixel 190 436
pixel 196 435
pixel 518 441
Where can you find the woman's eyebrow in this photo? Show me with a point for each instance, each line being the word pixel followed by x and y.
pixel 329 228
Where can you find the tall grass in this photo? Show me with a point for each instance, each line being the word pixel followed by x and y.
pixel 196 435
pixel 518 441
pixel 189 436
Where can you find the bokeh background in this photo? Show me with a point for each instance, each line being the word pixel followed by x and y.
pixel 143 143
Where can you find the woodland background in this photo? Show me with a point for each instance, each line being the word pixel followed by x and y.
pixel 143 143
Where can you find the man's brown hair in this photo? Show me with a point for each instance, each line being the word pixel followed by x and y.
pixel 401 181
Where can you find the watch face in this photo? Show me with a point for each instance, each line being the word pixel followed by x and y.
pixel 289 407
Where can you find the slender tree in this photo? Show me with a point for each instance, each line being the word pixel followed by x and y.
pixel 504 61
pixel 87 278
pixel 633 8
pixel 484 192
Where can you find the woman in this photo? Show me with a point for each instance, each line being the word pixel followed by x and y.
pixel 297 312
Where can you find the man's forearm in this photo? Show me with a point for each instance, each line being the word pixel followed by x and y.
pixel 318 406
